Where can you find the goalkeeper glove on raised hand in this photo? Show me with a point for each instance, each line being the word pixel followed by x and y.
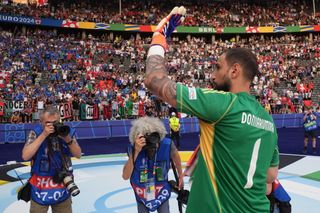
pixel 167 25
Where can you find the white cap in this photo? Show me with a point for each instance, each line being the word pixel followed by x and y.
pixel 173 114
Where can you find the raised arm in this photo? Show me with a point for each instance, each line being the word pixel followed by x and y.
pixel 157 80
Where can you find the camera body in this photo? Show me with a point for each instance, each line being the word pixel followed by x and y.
pixel 183 194
pixel 66 178
pixel 60 129
pixel 152 140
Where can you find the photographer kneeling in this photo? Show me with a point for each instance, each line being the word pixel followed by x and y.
pixel 149 163
pixel 49 147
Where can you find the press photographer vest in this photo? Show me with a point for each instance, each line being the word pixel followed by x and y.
pixel 43 190
pixel 310 124
pixel 143 169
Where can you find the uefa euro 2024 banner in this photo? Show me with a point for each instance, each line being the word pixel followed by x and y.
pixel 151 28
pixel 18 19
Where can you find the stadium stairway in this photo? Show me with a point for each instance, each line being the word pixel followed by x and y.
pixel 279 89
pixel 316 91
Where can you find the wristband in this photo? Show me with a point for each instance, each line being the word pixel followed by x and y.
pixel 156 50
pixel 159 39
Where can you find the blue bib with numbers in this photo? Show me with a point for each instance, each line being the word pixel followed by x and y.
pixel 310 124
pixel 149 178
pixel 43 190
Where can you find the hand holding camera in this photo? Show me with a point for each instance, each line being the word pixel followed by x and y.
pixel 139 143
pixel 48 129
pixel 55 129
pixel 148 142
pixel 60 130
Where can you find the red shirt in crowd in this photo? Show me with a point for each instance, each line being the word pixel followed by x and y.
pixel 310 86
pixel 141 108
pixel 107 111
pixel 284 100
pixel 307 103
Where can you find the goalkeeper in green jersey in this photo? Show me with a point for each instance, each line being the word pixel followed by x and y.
pixel 238 143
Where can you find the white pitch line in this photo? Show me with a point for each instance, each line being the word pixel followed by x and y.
pixel 301 189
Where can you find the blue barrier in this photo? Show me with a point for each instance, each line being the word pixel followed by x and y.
pixel 17 133
pixel 13 133
pixel 92 136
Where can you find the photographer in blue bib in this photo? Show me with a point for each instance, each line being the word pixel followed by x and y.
pixel 310 130
pixel 149 163
pixel 50 146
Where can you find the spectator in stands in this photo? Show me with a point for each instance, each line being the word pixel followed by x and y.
pixel 215 14
pixel 75 70
pixel 75 108
pixel 15 118
pixel 129 107
pixel 51 157
pixel 35 115
pixel 267 107
pixel 149 163
pixel 310 127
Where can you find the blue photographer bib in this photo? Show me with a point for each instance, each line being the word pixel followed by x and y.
pixel 310 124
pixel 149 178
pixel 44 190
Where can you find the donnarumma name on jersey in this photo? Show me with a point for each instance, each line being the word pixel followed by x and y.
pixel 257 122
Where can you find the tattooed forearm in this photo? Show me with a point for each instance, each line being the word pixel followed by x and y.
pixel 157 80
pixel 164 88
pixel 155 63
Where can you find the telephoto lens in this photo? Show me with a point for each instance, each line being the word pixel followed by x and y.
pixel 71 186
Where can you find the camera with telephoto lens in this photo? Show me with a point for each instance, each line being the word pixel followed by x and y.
pixel 67 178
pixel 60 129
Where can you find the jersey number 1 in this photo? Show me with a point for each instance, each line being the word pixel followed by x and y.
pixel 253 164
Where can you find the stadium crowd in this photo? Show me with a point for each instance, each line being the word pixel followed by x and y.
pixel 200 13
pixel 44 67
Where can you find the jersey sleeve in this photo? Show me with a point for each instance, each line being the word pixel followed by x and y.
pixel 207 104
pixel 275 157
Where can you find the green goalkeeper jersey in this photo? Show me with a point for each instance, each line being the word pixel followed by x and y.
pixel 238 144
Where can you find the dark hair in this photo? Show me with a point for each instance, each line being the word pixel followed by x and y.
pixel 245 58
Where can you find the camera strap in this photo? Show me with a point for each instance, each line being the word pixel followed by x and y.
pixel 154 167
pixel 18 176
pixel 155 164
pixel 63 157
